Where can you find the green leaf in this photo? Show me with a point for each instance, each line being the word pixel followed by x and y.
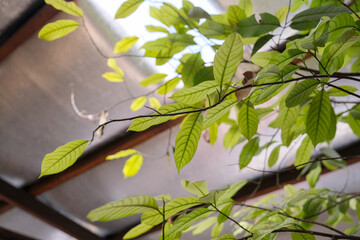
pixel 310 17
pixel 246 6
pixel 300 92
pixel 319 118
pixel 169 86
pixel 137 231
pixel 132 165
pixel 212 29
pixel 248 120
pixel 187 139
pixel 353 230
pixel 195 94
pixel 153 217
pixel 261 42
pixel 216 230
pixel 111 62
pixel 113 77
pixel 141 124
pixel 218 111
pixel 356 66
pixel 286 117
pixel 332 164
pixel 127 8
pixel 228 58
pixel 123 208
pixel 125 44
pixel 68 7
pixel 354 123
pixel 138 103
pixel 184 222
pixel 198 188
pixel 250 27
pixel 229 192
pixel 122 153
pixel 248 152
pixel 226 210
pixel 192 65
pixel 213 132
pixel 153 79
pixel 226 237
pixel 302 236
pixel 235 14
pixel 274 156
pixel 154 103
pixel 281 13
pixel 63 157
pixel 152 28
pixel 232 137
pixel 198 12
pixel 313 176
pixel 303 153
pixel 339 25
pixel 201 226
pixel 58 29
pixel 334 92
pixel 263 58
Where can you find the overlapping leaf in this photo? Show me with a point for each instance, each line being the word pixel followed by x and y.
pixel 248 120
pixel 300 92
pixel 250 27
pixel 195 94
pixel 127 8
pixel 218 111
pixel 248 152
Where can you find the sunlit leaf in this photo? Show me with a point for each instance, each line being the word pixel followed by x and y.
pixel 248 152
pixel 125 44
pixel 122 153
pixel 137 231
pixel 232 137
pixel 302 236
pixel 195 94
pixel 169 86
pixel 281 13
pixel 132 165
pixel 217 112
pixel 226 237
pixel 192 65
pixel 235 14
pixel 216 230
pixel 123 208
pixel 228 58
pixel 58 29
pixel 334 92
pixel 63 157
pixel 313 176
pixel 127 8
pixel 248 120
pixel 111 62
pixel 213 132
pixel 274 156
pixel 113 77
pixel 153 79
pixel 246 6
pixel 199 187
pixel 154 103
pixel 138 103
pixel 152 28
pixel 187 140
pixel 68 7
pixel 303 153
pixel 319 118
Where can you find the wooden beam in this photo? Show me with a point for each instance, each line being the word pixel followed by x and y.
pixel 28 29
pixel 10 235
pixel 93 158
pixel 31 205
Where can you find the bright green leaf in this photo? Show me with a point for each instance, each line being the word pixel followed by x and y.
pixel 339 25
pixel 153 79
pixel 68 7
pixel 232 137
pixel 274 156
pixel 313 176
pixel 300 92
pixel 58 29
pixel 218 111
pixel 169 86
pixel 246 6
pixel 248 120
pixel 187 139
pixel 111 62
pixel 303 153
pixel 319 118
pixel 248 152
pixel 281 13
pixel 213 131
pixel 334 92
pixel 127 8
pixel 137 231
pixel 302 236
pixel 216 230
pixel 63 157
pixel 138 103
pixel 195 94
pixel 132 165
pixel 198 188
pixel 227 59
pixel 120 154
pixel 235 14
pixel 212 29
pixel 123 208
pixel 113 77
pixel 154 103
pixel 125 44
pixel 152 28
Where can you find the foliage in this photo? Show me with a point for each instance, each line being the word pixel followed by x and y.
pixel 305 100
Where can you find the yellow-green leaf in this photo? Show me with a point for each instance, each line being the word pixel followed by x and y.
pixel 138 103
pixel 113 77
pixel 195 94
pixel 248 152
pixel 153 79
pixel 303 153
pixel 63 157
pixel 169 86
pixel 122 153
pixel 137 231
pixel 187 139
pixel 127 8
pixel 58 29
pixel 248 120
pixel 217 112
pixel 154 103
pixel 123 208
pixel 68 7
pixel 281 13
pixel 274 156
pixel 125 44
pixel 199 187
pixel 133 165
pixel 111 62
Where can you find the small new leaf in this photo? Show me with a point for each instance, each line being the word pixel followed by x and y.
pixel 127 8
pixel 58 29
pixel 125 44
pixel 63 157
pixel 153 79
pixel 132 165
pixel 120 154
pixel 138 103
pixel 68 7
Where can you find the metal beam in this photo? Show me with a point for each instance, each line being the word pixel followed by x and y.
pixel 31 205
pixel 10 235
pixel 93 158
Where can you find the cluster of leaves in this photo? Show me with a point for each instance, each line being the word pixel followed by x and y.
pixel 328 32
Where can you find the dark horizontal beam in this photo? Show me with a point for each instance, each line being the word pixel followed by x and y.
pixel 31 205
pixel 10 235
pixel 93 158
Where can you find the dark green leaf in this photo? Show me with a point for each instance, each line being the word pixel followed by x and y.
pixel 192 65
pixel 218 112
pixel 198 12
pixel 300 92
pixel 211 29
pixel 250 27
pixel 261 42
